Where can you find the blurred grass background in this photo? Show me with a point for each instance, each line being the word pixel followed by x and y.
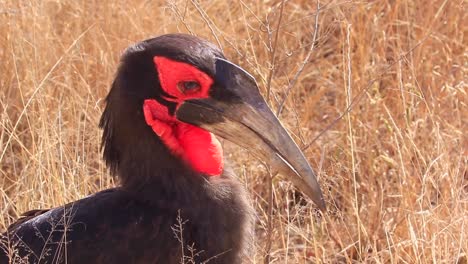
pixel 393 168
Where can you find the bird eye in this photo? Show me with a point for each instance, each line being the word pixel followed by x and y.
pixel 188 86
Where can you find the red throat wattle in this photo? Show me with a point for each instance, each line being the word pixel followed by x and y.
pixel 196 146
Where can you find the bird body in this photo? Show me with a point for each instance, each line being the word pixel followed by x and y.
pixel 117 226
pixel 177 202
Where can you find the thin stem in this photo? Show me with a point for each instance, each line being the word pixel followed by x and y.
pixel 304 62
pixel 273 52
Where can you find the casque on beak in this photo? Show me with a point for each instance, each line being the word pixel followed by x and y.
pixel 237 112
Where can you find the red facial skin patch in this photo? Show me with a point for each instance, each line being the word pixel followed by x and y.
pixel 196 146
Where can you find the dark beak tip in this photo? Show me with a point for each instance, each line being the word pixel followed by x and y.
pixel 317 198
pixel 320 201
pixel 321 205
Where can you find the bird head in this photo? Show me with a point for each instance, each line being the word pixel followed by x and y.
pixel 180 92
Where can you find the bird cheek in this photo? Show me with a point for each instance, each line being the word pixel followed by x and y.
pixel 154 110
pixel 164 130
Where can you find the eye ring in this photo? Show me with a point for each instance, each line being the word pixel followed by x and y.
pixel 188 86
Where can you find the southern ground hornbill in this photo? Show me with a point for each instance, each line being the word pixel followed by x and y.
pixel 170 96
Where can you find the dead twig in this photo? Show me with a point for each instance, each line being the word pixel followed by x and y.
pixel 272 49
pixel 208 22
pixel 303 64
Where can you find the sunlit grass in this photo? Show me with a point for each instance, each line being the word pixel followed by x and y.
pixel 393 168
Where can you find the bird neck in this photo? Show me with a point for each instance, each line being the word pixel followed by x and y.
pixel 197 147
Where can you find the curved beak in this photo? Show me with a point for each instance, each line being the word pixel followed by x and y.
pixel 237 112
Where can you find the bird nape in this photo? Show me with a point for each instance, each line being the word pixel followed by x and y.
pixel 176 200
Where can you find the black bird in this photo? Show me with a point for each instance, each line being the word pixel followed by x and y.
pixel 171 94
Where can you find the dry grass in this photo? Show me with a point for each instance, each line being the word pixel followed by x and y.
pixel 393 169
